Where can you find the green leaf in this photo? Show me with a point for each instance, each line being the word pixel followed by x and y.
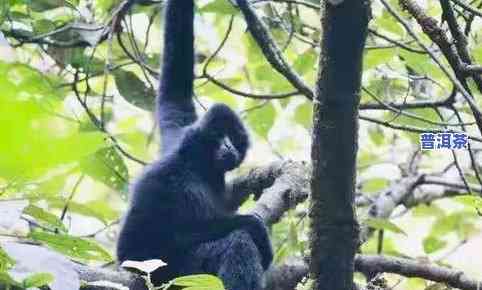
pixel 377 135
pixel 304 115
pixel 20 17
pixel 269 80
pixel 389 246
pixel 438 286
pixel 254 53
pixel 477 53
pixel 366 158
pixel 105 5
pixel 38 280
pixel 432 244
pixel 37 139
pixel 4 7
pixel 5 261
pixel 42 26
pixel 423 211
pixel 462 223
pixel 85 63
pixel 108 167
pixel 7 280
pixel 388 23
pixel 383 224
pixel 134 90
pixel 73 247
pixel 217 94
pixel 376 57
pixel 220 7
pixel 471 201
pixel 261 118
pixel 426 114
pixel 42 5
pixel 199 282
pixel 281 253
pixel 415 284
pixel 45 218
pixel 305 62
pixel 96 209
pixel 420 63
pixel 375 184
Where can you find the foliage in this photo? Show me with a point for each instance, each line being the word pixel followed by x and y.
pixel 191 282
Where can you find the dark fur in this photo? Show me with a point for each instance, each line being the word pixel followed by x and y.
pixel 177 209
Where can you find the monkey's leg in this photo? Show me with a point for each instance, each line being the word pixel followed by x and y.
pixel 235 259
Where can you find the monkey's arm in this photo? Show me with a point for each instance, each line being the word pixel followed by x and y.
pixel 175 107
pixel 194 233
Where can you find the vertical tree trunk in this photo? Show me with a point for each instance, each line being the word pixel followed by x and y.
pixel 334 229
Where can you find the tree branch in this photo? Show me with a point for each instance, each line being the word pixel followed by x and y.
pixel 287 275
pixel 437 35
pixel 271 50
pixel 411 268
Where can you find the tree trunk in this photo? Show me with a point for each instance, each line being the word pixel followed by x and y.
pixel 334 228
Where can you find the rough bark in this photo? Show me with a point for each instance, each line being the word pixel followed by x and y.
pixel 334 229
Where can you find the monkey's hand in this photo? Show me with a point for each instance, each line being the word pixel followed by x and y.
pixel 260 236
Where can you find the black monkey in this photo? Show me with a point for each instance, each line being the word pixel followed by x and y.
pixel 177 211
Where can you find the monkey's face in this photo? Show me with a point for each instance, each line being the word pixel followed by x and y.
pixel 226 157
